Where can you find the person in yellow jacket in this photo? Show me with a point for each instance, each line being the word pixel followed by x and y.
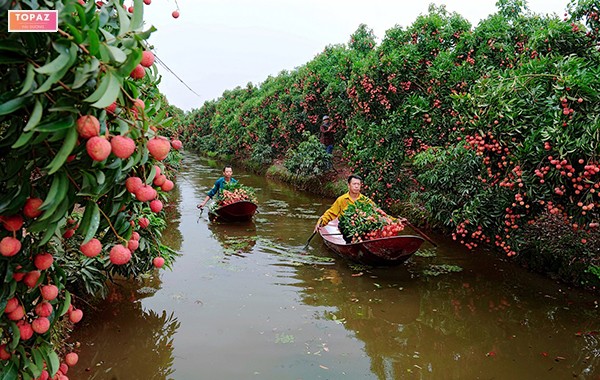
pixel 342 202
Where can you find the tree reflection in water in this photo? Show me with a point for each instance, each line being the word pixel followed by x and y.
pixel 128 341
pixel 377 311
pixel 235 238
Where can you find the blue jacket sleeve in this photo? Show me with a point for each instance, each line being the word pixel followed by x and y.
pixel 215 188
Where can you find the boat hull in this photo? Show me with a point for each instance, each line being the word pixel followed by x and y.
pixel 386 251
pixel 235 212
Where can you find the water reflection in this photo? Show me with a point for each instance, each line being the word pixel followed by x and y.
pixel 235 238
pixel 121 340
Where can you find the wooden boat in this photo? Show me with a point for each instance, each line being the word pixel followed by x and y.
pixel 234 212
pixel 388 251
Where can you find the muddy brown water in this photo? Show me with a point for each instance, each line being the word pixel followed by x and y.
pixel 244 301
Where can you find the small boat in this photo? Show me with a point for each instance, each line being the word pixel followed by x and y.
pixel 388 251
pixel 234 212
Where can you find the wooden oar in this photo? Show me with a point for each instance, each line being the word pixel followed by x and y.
pixel 309 239
pixel 420 232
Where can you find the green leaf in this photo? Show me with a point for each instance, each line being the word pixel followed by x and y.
pixel 11 371
pixel 100 90
pixel 117 54
pixel 94 42
pixel 29 77
pixel 77 35
pixel 35 117
pixel 64 152
pixel 12 105
pixel 65 305
pixel 53 66
pixel 123 20
pixel 22 140
pixel 58 75
pixel 55 195
pixel 53 362
pixel 94 223
pixel 12 45
pixel 137 20
pixel 112 92
pixel 108 37
pixel 56 125
pixel 16 336
pixel 86 220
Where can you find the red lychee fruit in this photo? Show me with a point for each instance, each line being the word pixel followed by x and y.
pixel 156 206
pixel 147 2
pixel 159 147
pixel 43 309
pixel 63 368
pixel 147 58
pixel 122 146
pixel 92 248
pixel 135 235
pixel 68 233
pixel 119 255
pixel 25 329
pixel 43 261
pixel 112 108
pixel 4 354
pixel 88 126
pixel 145 193
pixel 12 223
pixel 40 325
pixel 130 9
pixel 158 262
pixel 49 292
pixel 157 169
pixel 133 184
pixel 31 278
pixel 133 244
pixel 175 14
pixel 11 305
pixel 138 72
pixel 75 315
pixel 17 275
pixel 32 207
pixel 16 314
pixel 71 359
pixel 168 185
pixel 9 246
pixel 44 376
pixel 139 104
pixel 159 179
pixel 144 222
pixel 176 144
pixel 98 148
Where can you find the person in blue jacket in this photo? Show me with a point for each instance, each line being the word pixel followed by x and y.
pixel 219 184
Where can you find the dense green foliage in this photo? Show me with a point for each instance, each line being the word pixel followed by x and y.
pixel 50 83
pixel 487 130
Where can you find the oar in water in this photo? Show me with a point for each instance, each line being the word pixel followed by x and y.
pixel 420 232
pixel 309 239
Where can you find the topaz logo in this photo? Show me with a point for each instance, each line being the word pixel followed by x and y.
pixel 32 21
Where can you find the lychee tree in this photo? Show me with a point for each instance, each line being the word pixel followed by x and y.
pixel 84 170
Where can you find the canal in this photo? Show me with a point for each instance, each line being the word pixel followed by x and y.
pixel 246 301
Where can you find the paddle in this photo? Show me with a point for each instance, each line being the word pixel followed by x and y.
pixel 420 232
pixel 309 239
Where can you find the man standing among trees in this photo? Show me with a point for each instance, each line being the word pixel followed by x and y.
pixel 327 134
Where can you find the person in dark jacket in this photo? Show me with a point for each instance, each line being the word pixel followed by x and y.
pixel 327 134
pixel 226 179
